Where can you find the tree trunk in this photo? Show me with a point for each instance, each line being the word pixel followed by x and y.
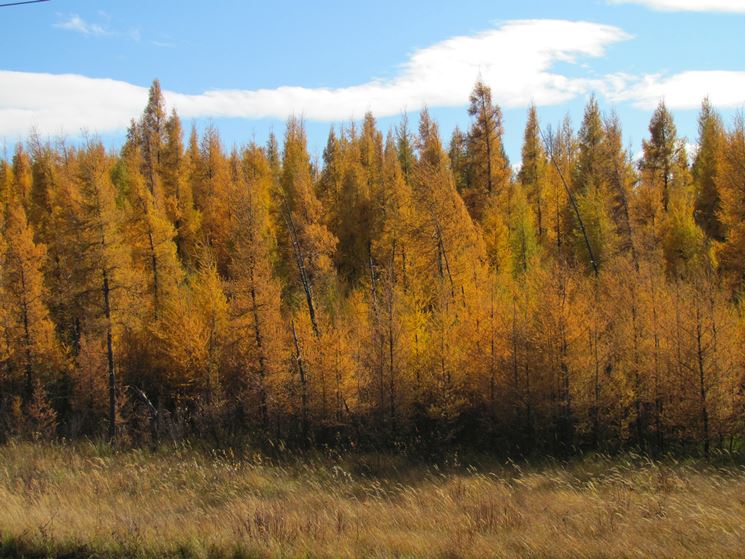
pixel 110 356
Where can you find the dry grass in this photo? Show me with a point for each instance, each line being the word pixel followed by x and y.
pixel 86 501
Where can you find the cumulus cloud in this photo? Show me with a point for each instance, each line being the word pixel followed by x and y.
pixel 732 6
pixel 517 59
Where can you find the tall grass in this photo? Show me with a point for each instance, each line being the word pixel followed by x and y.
pixel 91 501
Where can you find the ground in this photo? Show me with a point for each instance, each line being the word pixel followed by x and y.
pixel 92 501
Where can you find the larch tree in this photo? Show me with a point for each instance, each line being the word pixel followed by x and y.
pixel 28 328
pixel 177 191
pixel 22 175
pixel 589 219
pixel 532 173
pixel 731 186
pixel 458 153
pixel 307 243
pixel 405 147
pixel 389 296
pixel 490 170
pixel 666 183
pixel 211 187
pixel 43 172
pixel 621 178
pixel 105 265
pixel 659 154
pixel 152 132
pixel 710 142
pixel 149 232
pixel 256 321
pixel 215 299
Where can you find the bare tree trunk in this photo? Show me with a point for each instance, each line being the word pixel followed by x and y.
pixel 110 357
pixel 26 338
pixel 303 384
pixel 263 411
pixel 300 261
pixel 703 409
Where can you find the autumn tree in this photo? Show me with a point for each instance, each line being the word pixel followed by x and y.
pixel 660 153
pixel 152 132
pixel 731 185
pixel 532 173
pixel 105 269
pixel 710 142
pixel 589 218
pixel 149 232
pixel 490 171
pixel 28 330
pixel 307 243
pixel 177 191
pixel 257 327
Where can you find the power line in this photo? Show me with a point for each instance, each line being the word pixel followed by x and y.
pixel 24 2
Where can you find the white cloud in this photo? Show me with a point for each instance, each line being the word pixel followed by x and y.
pixel 516 59
pixel 733 6
pixel 685 90
pixel 65 103
pixel 77 24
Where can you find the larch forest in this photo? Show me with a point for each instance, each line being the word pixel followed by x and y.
pixel 404 292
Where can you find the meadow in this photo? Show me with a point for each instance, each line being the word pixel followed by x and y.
pixel 88 500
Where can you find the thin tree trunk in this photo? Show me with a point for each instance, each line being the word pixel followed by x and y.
pixel 110 357
pixel 263 413
pixel 704 411
pixel 303 384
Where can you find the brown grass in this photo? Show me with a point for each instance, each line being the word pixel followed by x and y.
pixel 86 501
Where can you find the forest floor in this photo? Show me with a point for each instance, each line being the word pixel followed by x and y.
pixel 90 501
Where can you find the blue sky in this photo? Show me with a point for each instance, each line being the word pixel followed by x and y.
pixel 68 65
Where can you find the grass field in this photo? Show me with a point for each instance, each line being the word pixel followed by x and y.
pixel 89 501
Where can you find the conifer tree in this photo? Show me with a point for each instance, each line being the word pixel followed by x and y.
pixel 660 153
pixel 192 337
pixel 307 243
pixel 400 331
pixel 490 171
pixel 532 173
pixel 212 186
pixel 731 186
pixel 179 198
pixel 405 147
pixel 150 234
pixel 590 222
pixel 28 330
pixel 43 188
pixel 458 154
pixel 710 140
pixel 22 176
pixel 152 131
pixel 105 264
pixel 255 303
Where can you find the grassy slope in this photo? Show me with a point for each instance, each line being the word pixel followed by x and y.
pixel 86 501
